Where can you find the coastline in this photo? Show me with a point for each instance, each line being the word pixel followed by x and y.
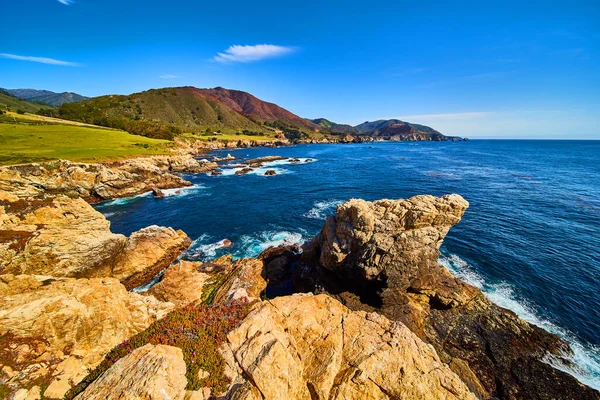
pixel 67 181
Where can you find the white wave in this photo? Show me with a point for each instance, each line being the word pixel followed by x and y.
pixel 204 251
pixel 586 357
pixel 124 200
pixel 322 209
pixel 184 191
pixel 255 171
pixel 253 245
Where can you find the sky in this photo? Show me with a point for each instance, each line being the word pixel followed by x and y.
pixel 485 69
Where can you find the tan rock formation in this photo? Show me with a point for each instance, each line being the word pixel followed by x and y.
pixel 95 182
pixel 385 254
pixel 149 373
pixel 65 237
pixel 219 280
pixel 54 330
pixel 312 347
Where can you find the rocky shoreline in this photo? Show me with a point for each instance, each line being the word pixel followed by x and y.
pixel 374 315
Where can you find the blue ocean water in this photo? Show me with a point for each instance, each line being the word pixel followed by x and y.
pixel 530 239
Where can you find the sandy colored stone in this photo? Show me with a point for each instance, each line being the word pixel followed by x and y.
pixel 57 329
pixel 66 237
pixel 183 283
pixel 151 372
pixel 312 347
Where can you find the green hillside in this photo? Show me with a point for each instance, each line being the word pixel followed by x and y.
pixel 30 138
pixel 8 102
pixel 161 113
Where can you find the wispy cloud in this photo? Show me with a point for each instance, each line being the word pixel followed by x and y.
pixel 41 60
pixel 168 76
pixel 65 2
pixel 252 53
pixel 447 116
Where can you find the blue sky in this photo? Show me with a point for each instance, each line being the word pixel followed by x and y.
pixel 504 69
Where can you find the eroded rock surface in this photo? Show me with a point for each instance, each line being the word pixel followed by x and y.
pixel 95 182
pixel 383 256
pixel 151 372
pixel 54 330
pixel 64 237
pixel 217 281
pixel 312 347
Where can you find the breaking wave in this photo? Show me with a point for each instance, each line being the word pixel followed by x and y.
pixel 184 191
pixel 586 357
pixel 322 209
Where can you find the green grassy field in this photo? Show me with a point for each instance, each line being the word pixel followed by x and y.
pixel 227 137
pixel 25 143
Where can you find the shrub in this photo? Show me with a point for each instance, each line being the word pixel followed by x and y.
pixel 19 111
pixel 198 331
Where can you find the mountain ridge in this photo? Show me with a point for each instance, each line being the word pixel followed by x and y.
pixel 167 112
pixel 46 97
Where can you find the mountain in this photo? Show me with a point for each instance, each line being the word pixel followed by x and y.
pixel 163 113
pixel 46 97
pixel 9 102
pixel 335 128
pixel 394 129
pixel 252 107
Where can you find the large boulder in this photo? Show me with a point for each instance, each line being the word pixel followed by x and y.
pixel 151 372
pixel 64 237
pixel 312 347
pixel 383 256
pixel 217 281
pixel 54 330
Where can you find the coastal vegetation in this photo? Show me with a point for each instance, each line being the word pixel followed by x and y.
pixel 198 330
pixel 30 138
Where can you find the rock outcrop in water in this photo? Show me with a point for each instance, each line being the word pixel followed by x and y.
pixel 64 237
pixel 383 256
pixel 94 182
pixel 394 323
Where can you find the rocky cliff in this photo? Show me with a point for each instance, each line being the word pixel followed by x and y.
pixel 383 256
pixel 387 321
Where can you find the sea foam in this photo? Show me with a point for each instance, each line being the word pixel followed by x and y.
pixel 586 357
pixel 322 209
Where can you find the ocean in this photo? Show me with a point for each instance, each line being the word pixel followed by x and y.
pixel 530 239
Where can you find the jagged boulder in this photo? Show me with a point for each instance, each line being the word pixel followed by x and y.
pixel 217 281
pixel 152 372
pixel 65 237
pixel 312 347
pixel 54 330
pixel 383 256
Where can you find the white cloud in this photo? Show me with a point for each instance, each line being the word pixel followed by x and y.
pixel 41 60
pixel 252 53
pixel 168 76
pixel 65 2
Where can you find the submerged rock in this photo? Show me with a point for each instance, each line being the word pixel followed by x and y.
pixel 383 256
pixel 257 162
pixel 244 171
pixel 54 330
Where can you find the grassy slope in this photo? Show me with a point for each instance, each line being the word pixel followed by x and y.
pixel 34 140
pixel 169 106
pixel 15 104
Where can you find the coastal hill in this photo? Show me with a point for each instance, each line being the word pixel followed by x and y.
pixel 169 112
pixel 46 96
pixel 10 102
